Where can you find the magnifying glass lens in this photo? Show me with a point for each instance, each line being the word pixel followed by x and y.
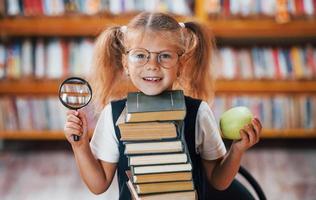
pixel 75 93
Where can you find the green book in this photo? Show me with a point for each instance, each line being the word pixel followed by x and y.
pixel 167 106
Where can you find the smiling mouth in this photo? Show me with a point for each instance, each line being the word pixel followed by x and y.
pixel 156 79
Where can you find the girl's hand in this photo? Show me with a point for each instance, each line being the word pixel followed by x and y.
pixel 76 124
pixel 250 135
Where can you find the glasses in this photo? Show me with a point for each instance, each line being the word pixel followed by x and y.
pixel 140 57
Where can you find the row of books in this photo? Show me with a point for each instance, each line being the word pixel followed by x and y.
pixel 59 57
pixel 275 112
pixel 158 158
pixel 91 7
pixel 26 113
pixel 266 62
pixel 31 114
pixel 50 58
pixel 246 8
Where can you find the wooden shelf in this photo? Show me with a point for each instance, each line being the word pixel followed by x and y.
pixel 62 26
pixel 91 26
pixel 32 135
pixel 263 28
pixel 29 87
pixel 265 86
pixel 50 87
pixel 59 135
pixel 289 133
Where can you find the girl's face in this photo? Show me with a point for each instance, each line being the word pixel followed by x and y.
pixel 152 62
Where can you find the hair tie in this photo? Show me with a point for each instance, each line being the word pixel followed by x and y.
pixel 182 24
pixel 123 29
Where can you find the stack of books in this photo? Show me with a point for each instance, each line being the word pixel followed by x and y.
pixel 158 157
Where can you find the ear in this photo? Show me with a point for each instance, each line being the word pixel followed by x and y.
pixel 124 61
pixel 124 64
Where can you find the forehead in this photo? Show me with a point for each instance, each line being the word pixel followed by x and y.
pixel 153 41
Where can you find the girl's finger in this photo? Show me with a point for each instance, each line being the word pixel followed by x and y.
pixel 257 132
pixel 72 112
pixel 251 133
pixel 244 136
pixel 257 122
pixel 73 126
pixel 71 131
pixel 74 119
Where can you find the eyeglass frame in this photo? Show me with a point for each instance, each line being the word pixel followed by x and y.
pixel 158 59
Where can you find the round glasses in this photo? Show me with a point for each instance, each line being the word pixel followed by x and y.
pixel 140 57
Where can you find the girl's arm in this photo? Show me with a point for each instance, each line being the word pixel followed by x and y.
pixel 96 174
pixel 221 172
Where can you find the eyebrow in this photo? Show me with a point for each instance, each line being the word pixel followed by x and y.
pixel 153 51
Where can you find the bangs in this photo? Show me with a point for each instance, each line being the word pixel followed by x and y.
pixel 136 36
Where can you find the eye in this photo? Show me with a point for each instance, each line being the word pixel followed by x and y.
pixel 166 55
pixel 138 56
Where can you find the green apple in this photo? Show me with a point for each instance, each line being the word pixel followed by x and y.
pixel 234 119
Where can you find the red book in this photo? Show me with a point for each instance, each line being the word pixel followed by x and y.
pixel 275 54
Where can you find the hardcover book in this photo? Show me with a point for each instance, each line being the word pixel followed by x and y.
pixel 153 147
pixel 157 159
pixel 167 106
pixel 161 168
pixel 147 131
pixel 161 177
pixel 187 194
pixel 174 186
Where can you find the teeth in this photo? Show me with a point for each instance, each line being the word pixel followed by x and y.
pixel 152 79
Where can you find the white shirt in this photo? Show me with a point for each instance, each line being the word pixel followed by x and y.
pixel 104 143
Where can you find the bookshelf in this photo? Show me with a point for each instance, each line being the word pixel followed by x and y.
pixel 89 26
pixel 50 87
pixel 232 28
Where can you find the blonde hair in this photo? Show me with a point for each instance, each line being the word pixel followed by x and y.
pixel 108 79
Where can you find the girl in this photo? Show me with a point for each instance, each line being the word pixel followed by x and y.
pixel 155 53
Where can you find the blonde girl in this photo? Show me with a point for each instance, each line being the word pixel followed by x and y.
pixel 151 54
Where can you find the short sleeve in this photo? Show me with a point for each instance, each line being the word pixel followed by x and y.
pixel 208 141
pixel 104 143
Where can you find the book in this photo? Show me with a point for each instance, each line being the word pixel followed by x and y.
pixel 147 131
pixel 167 106
pixel 185 195
pixel 178 195
pixel 157 159
pixel 161 168
pixel 161 177
pixel 173 186
pixel 153 147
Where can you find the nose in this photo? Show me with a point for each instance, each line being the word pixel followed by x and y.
pixel 152 63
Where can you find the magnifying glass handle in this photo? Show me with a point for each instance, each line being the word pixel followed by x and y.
pixel 76 137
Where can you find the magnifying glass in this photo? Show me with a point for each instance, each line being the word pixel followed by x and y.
pixel 75 93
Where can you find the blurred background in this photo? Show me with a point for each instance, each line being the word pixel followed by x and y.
pixel 265 60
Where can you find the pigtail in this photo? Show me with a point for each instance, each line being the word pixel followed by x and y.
pixel 197 76
pixel 107 70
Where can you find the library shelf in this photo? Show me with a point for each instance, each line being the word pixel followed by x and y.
pixel 76 25
pixel 265 86
pixel 32 135
pixel 59 135
pixel 30 87
pixel 288 133
pixel 92 25
pixel 232 29
pixel 50 87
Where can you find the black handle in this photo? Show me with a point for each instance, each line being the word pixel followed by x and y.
pixel 76 137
